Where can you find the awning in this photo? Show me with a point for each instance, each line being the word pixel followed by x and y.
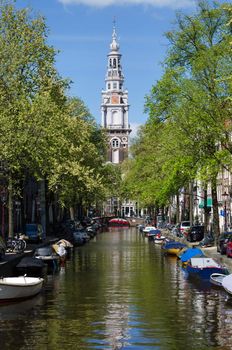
pixel 209 203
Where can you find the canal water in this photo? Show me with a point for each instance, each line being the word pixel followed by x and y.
pixel 119 292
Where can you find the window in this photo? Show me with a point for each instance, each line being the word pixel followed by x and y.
pixel 114 85
pixel 115 143
pixel 108 86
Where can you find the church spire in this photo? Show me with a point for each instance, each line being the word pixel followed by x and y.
pixel 114 46
pixel 115 105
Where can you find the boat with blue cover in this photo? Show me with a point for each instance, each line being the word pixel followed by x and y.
pixel 204 267
pixel 173 247
pixel 189 253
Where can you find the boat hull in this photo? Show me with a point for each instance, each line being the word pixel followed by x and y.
pixel 52 262
pixel 119 223
pixel 172 251
pixel 217 278
pixel 227 284
pixel 204 267
pixel 13 288
pixel 204 273
pixel 159 240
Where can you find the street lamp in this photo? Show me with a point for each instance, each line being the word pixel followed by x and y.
pixel 225 195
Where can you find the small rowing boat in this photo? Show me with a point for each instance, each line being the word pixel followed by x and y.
pixel 217 278
pixel 13 288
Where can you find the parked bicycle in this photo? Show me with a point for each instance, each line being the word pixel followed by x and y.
pixel 15 245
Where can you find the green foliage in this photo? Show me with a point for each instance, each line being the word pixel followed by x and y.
pixel 187 134
pixel 43 132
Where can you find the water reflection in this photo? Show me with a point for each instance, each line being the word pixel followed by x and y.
pixel 13 310
pixel 119 292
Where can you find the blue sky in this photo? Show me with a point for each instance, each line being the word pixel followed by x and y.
pixel 81 30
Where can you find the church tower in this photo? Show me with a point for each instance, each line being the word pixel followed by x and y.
pixel 114 106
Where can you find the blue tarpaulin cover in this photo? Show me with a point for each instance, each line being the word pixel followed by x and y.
pixel 174 244
pixel 191 252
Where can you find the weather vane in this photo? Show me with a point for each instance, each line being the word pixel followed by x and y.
pixel 114 22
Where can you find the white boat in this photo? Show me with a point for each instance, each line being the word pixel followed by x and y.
pixel 217 278
pixel 21 287
pixel 147 229
pixel 227 284
pixel 159 240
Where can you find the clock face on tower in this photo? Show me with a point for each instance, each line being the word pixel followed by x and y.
pixel 115 99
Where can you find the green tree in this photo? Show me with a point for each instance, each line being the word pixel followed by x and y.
pixel 30 93
pixel 188 127
pixel 43 133
pixel 77 174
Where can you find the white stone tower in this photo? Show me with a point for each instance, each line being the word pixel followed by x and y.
pixel 115 106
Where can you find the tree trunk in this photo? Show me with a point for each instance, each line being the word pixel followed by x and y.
pixel 71 211
pixel 177 209
pixel 206 213
pixel 191 203
pixel 10 209
pixel 216 229
pixel 43 205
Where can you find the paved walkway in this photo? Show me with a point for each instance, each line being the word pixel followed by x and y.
pixel 223 259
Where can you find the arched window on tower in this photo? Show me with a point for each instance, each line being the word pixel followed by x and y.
pixel 115 143
pixel 114 63
pixel 110 63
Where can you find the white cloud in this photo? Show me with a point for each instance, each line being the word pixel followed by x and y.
pixel 105 3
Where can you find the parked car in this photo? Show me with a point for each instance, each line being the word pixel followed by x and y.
pixel 195 233
pixel 229 247
pixel 184 227
pixel 222 241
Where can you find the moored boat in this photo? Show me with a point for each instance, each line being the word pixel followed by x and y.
pixel 159 238
pixel 48 256
pixel 204 267
pixel 152 234
pixel 13 288
pixel 227 284
pixel 148 229
pixel 119 222
pixel 189 253
pixel 31 267
pixel 217 278
pixel 67 245
pixel 173 247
